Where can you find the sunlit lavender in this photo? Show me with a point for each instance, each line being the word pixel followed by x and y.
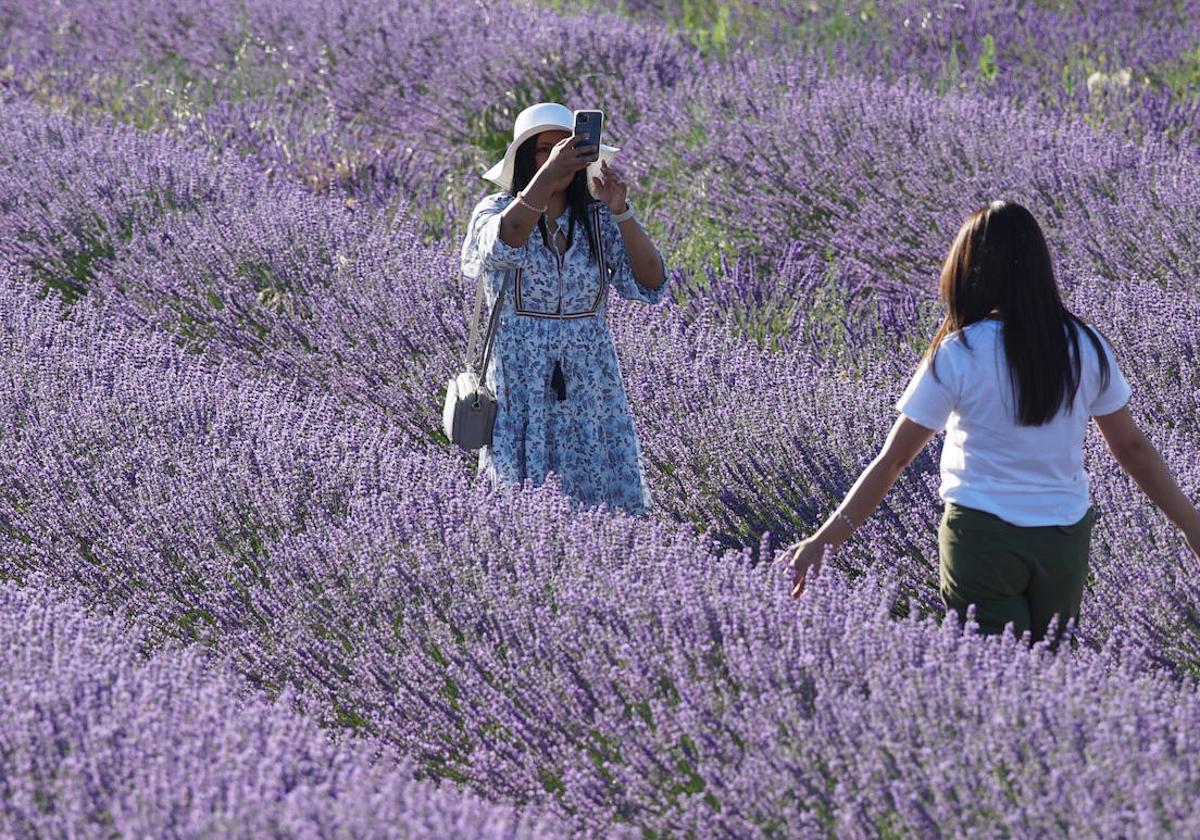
pixel 247 588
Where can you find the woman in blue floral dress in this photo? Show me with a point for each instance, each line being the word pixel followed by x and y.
pixel 548 252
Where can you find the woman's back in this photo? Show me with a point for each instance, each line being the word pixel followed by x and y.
pixel 1013 377
pixel 1026 475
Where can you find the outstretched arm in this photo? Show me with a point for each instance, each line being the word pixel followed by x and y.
pixel 904 441
pixel 1138 457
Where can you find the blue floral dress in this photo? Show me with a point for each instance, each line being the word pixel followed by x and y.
pixel 587 439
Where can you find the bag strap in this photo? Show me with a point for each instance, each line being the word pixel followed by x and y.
pixel 598 245
pixel 473 324
pixel 490 340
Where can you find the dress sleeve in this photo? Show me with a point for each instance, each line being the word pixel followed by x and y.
pixel 483 249
pixel 1118 392
pixel 619 271
pixel 928 399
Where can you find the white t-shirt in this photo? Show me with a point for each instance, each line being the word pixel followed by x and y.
pixel 1026 475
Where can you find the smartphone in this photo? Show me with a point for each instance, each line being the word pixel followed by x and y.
pixel 588 124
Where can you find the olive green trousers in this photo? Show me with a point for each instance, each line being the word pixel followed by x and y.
pixel 1024 576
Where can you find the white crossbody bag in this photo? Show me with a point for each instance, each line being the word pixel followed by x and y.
pixel 469 412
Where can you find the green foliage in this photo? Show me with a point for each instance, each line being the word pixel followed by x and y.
pixel 350 719
pixel 988 68
pixel 197 625
pixel 1182 77
pixel 708 24
pixel 72 274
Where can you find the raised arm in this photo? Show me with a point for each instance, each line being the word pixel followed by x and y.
pixel 639 256
pixel 644 258
pixel 1138 457
pixel 904 442
pixel 566 157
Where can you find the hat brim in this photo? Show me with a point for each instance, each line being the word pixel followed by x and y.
pixel 501 174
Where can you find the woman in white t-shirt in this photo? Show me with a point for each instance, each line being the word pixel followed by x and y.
pixel 1013 377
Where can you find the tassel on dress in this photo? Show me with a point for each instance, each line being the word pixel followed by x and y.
pixel 558 382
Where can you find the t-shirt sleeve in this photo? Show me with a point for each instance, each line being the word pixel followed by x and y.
pixel 928 399
pixel 1111 398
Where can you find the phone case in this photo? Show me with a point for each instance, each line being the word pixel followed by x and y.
pixel 590 123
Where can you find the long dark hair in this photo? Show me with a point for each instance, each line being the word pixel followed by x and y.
pixel 999 267
pixel 578 195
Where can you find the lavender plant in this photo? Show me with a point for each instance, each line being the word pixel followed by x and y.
pixel 99 740
pixel 395 596
pixel 219 375
pixel 876 176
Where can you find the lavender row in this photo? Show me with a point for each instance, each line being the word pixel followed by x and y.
pixel 629 673
pixel 284 287
pixel 268 277
pixel 396 596
pixel 877 176
pixel 848 187
pixel 103 739
pixel 379 104
pixel 1086 59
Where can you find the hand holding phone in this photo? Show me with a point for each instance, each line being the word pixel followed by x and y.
pixel 588 124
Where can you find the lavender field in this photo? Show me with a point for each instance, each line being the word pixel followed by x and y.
pixel 247 587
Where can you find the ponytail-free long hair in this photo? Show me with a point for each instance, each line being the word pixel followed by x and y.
pixel 999 267
pixel 578 195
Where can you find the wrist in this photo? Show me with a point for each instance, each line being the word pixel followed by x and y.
pixel 535 197
pixel 531 204
pixel 845 520
pixel 624 215
pixel 838 528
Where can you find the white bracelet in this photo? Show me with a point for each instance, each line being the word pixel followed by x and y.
pixel 525 203
pixel 626 215
pixel 842 516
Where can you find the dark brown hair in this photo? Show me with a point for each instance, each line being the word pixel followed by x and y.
pixel 999 267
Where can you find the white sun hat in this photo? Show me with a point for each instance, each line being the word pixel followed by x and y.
pixel 545 116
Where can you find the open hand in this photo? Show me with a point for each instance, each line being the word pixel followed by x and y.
pixel 802 558
pixel 610 187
